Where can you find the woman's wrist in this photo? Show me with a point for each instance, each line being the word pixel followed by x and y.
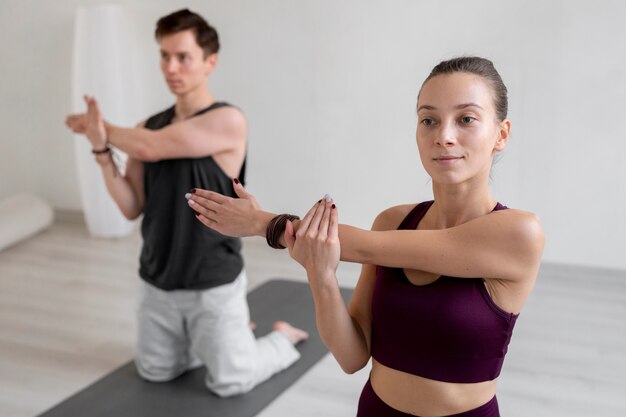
pixel 275 232
pixel 322 282
pixel 262 220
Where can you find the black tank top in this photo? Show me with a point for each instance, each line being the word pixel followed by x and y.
pixel 178 251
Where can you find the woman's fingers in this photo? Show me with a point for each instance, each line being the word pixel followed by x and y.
pixel 203 205
pixel 240 190
pixel 316 245
pixel 208 195
pixel 333 227
pixel 314 227
pixel 230 216
pixel 325 220
pixel 244 194
pixel 206 203
pixel 313 223
pixel 206 221
pixel 290 237
pixel 306 221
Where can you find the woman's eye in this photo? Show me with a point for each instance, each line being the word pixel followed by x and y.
pixel 427 122
pixel 467 119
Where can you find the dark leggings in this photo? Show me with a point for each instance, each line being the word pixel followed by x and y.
pixel 370 405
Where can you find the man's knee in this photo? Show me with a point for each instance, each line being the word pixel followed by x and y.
pixel 231 384
pixel 158 373
pixel 229 389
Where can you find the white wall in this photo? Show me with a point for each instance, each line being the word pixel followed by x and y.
pixel 329 89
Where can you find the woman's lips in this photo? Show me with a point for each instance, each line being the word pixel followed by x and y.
pixel 447 159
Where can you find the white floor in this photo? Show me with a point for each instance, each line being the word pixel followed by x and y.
pixel 66 319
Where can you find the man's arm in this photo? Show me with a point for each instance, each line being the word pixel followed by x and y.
pixel 221 130
pixel 126 191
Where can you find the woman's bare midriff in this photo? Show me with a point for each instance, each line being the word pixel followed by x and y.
pixel 427 397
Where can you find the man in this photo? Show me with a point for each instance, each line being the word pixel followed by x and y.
pixel 193 308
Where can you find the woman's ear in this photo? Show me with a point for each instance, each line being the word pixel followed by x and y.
pixel 504 131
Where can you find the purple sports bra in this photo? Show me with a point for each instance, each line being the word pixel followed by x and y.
pixel 449 330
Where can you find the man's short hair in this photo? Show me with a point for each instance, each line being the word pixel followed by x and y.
pixel 206 35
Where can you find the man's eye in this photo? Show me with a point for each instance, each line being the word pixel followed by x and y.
pixel 427 122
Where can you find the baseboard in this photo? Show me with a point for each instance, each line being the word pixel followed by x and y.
pixel 69 216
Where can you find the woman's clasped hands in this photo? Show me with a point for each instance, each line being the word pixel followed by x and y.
pixel 315 245
pixel 313 242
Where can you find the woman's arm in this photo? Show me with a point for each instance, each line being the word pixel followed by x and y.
pixel 237 217
pixel 506 244
pixel 345 331
pixel 316 247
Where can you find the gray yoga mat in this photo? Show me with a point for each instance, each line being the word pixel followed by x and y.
pixel 122 393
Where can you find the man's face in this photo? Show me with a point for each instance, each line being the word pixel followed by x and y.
pixel 183 63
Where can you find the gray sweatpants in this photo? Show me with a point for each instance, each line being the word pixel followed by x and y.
pixel 180 330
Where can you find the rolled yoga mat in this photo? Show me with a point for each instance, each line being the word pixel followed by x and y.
pixel 123 393
pixel 22 216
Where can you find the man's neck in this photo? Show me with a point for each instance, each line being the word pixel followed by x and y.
pixel 192 102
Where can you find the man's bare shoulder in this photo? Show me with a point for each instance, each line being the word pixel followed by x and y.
pixel 228 117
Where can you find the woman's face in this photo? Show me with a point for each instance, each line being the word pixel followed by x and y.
pixel 457 130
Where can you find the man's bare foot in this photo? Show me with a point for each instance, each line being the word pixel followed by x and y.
pixel 294 334
pixel 251 325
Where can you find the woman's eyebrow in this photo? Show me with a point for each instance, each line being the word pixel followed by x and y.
pixel 458 106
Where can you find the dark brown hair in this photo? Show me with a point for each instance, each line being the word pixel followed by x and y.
pixel 483 68
pixel 206 35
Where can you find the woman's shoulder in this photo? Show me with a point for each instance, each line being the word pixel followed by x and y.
pixel 517 216
pixel 523 226
pixel 390 218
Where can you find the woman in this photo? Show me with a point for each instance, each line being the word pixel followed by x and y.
pixel 442 282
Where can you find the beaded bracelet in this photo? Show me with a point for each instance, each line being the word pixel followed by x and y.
pixel 275 229
pixel 112 159
pixel 106 149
